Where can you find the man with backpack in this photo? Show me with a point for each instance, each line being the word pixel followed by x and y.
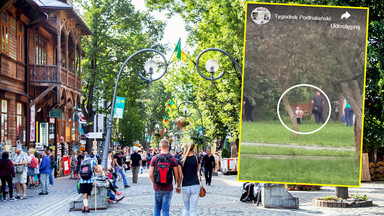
pixel 163 169
pixel 86 180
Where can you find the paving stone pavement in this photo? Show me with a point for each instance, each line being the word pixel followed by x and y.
pixel 222 199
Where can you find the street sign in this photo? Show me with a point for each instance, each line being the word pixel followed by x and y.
pixel 55 113
pixel 94 135
pixel 200 128
pixel 119 108
pixel 44 133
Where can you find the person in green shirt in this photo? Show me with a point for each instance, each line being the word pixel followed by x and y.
pixel 348 112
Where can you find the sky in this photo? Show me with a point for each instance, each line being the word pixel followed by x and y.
pixel 174 30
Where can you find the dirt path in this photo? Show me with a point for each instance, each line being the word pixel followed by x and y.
pixel 298 146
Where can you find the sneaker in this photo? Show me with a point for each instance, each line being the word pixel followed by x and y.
pixel 12 199
pixel 116 187
pixel 111 201
pixel 50 185
pixel 118 193
pixel 23 197
pixel 127 186
pixel 17 196
pixel 46 193
pixel 4 199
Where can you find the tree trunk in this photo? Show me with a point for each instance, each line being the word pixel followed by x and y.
pixel 292 116
pixel 342 192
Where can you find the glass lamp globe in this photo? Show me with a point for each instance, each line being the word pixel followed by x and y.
pixel 150 67
pixel 185 110
pixel 212 65
pixel 157 126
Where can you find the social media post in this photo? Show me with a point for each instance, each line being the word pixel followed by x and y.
pixel 303 93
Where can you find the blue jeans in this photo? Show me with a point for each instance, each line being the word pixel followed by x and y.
pixel 348 116
pixel 162 202
pixel 110 194
pixel 121 171
pixel 190 197
pixel 51 176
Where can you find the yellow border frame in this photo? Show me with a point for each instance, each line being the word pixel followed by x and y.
pixel 242 90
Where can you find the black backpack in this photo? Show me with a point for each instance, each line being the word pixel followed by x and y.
pixel 163 170
pixel 86 169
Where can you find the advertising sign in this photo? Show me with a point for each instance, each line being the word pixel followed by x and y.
pixel 32 124
pixel 119 108
pixel 44 133
pixel 66 166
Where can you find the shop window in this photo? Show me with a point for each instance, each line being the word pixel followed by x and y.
pixel 5 33
pixel 40 50
pixel 4 121
pixel 20 41
pixel 19 121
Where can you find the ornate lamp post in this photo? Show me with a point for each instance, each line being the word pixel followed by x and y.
pixel 150 67
pixel 212 65
pixel 185 114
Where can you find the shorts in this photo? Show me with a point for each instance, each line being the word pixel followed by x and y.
pixel 86 188
pixel 31 171
pixel 20 178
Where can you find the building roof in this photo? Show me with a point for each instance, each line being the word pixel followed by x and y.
pixel 59 5
pixel 53 4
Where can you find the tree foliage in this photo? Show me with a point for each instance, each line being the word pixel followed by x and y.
pixel 118 30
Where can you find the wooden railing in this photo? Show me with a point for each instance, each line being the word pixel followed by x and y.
pixel 43 73
pixel 47 74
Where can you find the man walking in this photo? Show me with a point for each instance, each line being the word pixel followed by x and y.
pixel 317 109
pixel 136 163
pixel 52 161
pixel 118 165
pixel 20 161
pixel 209 165
pixel 45 168
pixel 163 169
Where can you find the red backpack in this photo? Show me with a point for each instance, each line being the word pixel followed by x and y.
pixel 33 163
pixel 163 170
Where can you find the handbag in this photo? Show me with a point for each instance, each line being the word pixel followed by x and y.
pixel 19 169
pixel 202 189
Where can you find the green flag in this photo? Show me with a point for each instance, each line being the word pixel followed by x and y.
pixel 178 50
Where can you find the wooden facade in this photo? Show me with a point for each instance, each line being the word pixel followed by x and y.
pixel 40 67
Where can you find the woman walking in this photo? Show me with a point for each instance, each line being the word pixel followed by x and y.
pixel 188 167
pixel 7 172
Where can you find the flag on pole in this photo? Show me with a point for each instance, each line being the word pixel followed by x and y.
pixel 171 104
pixel 165 120
pixel 178 49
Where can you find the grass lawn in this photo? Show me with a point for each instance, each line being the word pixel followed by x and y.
pixel 265 150
pixel 343 171
pixel 333 134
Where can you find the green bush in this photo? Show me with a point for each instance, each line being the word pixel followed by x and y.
pixel 225 153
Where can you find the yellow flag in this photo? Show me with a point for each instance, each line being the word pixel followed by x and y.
pixel 183 56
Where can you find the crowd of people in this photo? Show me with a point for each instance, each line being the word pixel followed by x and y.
pixel 34 170
pixel 25 170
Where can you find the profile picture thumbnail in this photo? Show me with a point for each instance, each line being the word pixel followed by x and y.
pixel 261 15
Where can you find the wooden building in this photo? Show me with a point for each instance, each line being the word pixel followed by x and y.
pixel 41 71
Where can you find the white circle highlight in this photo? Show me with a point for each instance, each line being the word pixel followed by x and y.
pixel 306 85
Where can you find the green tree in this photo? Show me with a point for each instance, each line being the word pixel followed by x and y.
pixel 117 32
pixel 220 104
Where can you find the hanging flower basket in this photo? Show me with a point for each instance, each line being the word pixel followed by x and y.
pixel 181 123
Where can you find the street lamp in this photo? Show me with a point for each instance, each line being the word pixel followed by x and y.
pixel 150 67
pixel 212 65
pixel 185 114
